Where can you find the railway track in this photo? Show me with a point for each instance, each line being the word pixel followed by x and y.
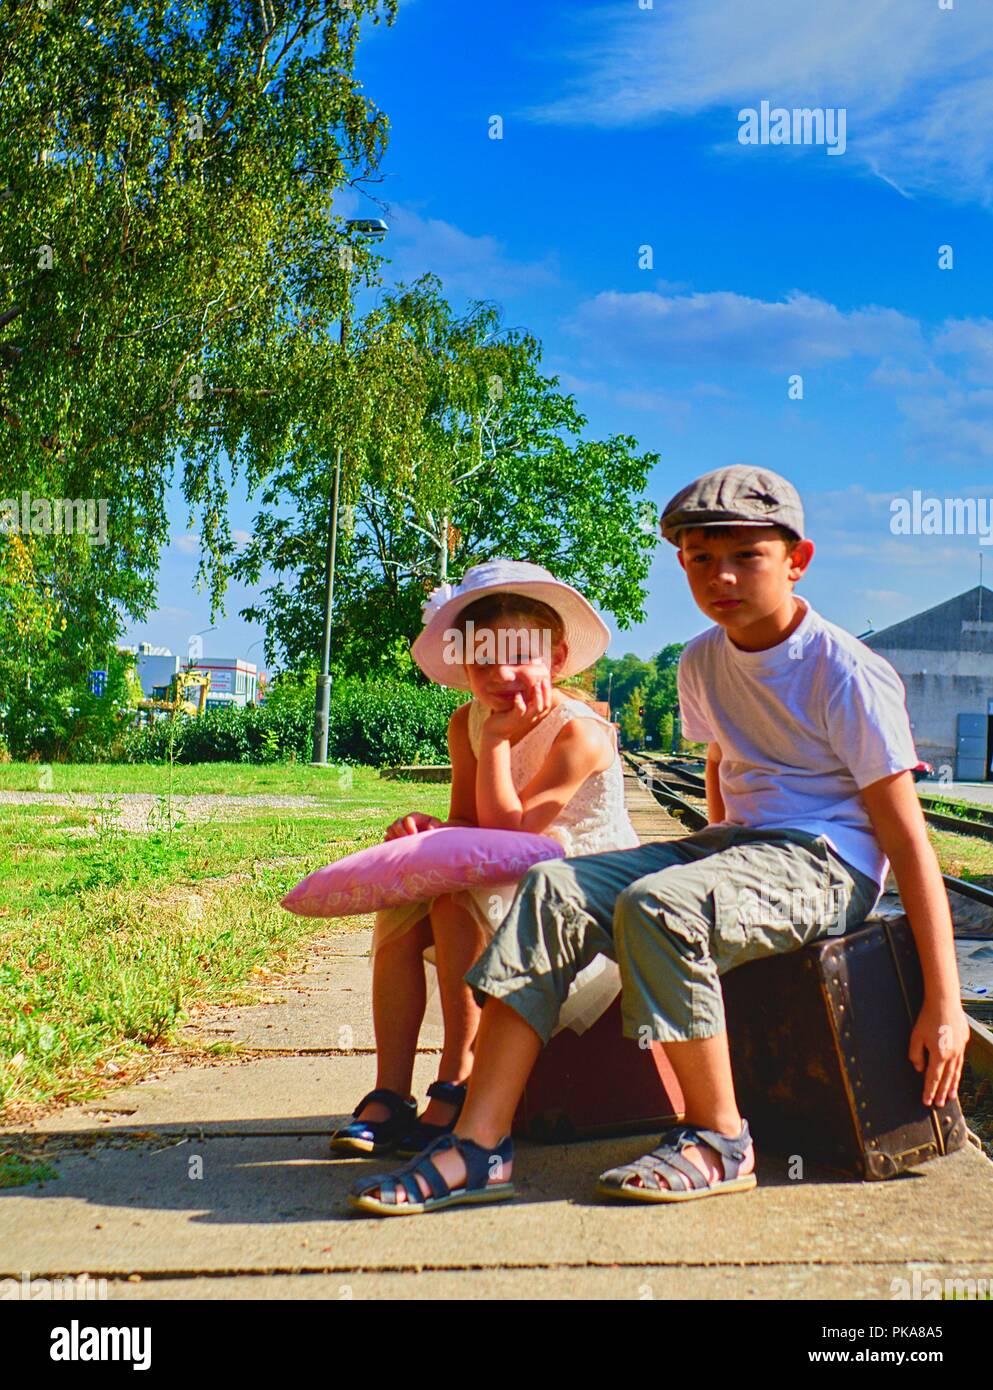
pixel 978 823
pixel 672 791
pixel 682 777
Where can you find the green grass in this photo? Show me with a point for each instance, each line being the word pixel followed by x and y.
pixel 964 856
pixel 16 1170
pixel 966 810
pixel 109 939
pixel 232 779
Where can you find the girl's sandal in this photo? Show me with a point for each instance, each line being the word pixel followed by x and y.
pixel 479 1164
pixel 376 1136
pixel 421 1135
pixel 686 1181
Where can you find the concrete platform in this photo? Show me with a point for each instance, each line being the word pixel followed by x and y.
pixel 215 1181
pixel 565 1283
pixel 276 1203
pixel 327 1007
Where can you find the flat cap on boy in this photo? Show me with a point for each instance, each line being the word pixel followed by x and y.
pixel 736 496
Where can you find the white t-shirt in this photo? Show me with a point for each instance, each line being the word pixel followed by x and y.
pixel 802 727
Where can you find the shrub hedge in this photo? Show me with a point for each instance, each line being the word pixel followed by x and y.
pixel 375 723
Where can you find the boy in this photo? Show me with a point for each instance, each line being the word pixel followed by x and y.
pixel 809 793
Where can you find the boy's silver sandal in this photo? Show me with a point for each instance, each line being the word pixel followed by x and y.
pixel 686 1181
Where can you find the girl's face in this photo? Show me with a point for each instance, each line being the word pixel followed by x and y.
pixel 510 655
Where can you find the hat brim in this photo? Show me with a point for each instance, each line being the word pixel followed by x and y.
pixel 671 529
pixel 586 635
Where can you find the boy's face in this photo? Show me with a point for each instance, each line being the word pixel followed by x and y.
pixel 740 575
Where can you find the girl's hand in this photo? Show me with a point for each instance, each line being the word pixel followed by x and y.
pixel 411 825
pixel 527 710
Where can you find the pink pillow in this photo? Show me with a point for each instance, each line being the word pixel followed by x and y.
pixel 414 867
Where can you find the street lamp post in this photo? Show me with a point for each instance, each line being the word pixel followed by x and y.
pixel 375 229
pixel 257 643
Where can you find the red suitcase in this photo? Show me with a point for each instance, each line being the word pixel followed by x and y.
pixel 598 1083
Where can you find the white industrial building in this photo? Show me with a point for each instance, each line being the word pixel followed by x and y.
pixel 233 681
pixel 945 659
pixel 156 667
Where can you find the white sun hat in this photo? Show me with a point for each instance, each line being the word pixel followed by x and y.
pixel 585 632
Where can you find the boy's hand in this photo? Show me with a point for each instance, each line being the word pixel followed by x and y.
pixel 943 1033
pixel 411 825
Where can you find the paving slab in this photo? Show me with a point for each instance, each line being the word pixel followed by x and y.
pixel 651 822
pixel 979 793
pixel 340 942
pixel 327 1008
pixel 271 1095
pixel 323 1005
pixel 616 1282
pixel 276 1203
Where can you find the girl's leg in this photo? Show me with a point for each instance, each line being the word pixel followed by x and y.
pixel 458 943
pixel 398 1001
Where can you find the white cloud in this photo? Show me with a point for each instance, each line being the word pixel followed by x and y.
pixel 578 385
pixel 940 381
pixel 883 595
pixel 675 409
pixel 954 426
pixel 972 341
pixel 736 330
pixel 854 524
pixel 917 81
pixel 189 544
pixel 477 266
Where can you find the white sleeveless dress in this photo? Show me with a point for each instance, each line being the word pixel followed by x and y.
pixel 594 821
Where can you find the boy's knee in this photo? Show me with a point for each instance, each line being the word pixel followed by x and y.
pixel 547 871
pixel 545 880
pixel 544 904
pixel 643 909
pixel 634 906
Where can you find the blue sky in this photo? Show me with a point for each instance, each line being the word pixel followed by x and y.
pixel 620 131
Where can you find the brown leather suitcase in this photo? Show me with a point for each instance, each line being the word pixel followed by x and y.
pixel 592 1084
pixel 819 1040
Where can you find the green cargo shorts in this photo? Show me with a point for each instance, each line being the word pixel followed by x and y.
pixel 675 915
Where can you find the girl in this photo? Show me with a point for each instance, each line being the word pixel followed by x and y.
pixel 526 755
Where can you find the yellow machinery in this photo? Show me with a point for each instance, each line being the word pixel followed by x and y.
pixel 177 699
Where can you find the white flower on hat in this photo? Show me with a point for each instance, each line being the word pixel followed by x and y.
pixel 436 599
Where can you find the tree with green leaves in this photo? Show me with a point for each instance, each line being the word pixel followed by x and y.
pixel 631 719
pixel 494 464
pixel 654 682
pixel 171 278
pixel 662 696
pixel 50 704
pixel 171 272
pixel 618 676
